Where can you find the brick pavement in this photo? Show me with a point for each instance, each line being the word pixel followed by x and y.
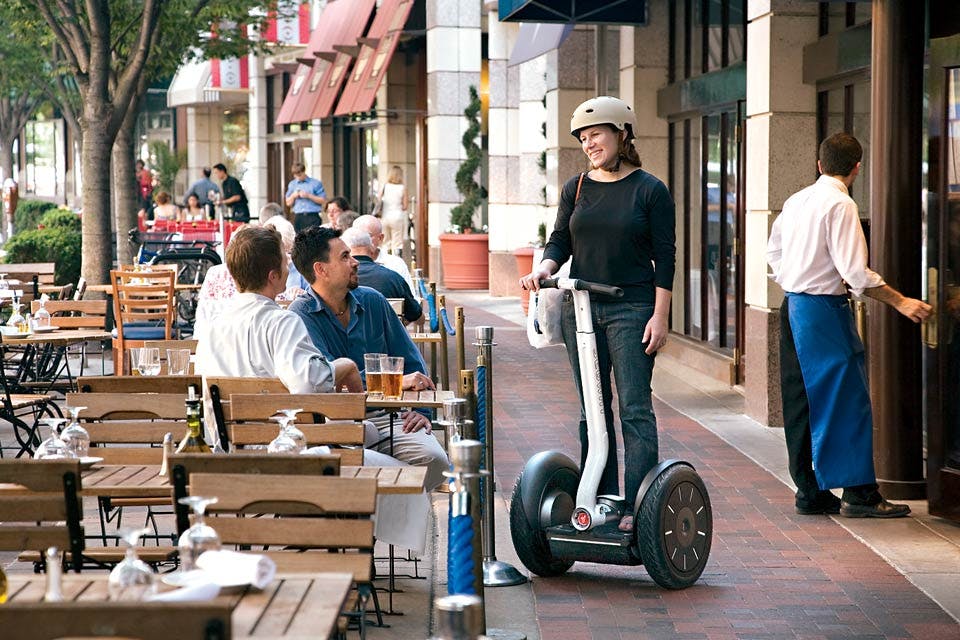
pixel 771 574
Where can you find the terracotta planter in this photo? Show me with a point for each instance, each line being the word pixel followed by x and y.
pixel 465 259
pixel 524 258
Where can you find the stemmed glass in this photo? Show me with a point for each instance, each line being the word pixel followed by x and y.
pixel 42 317
pixel 198 538
pixel 132 579
pixel 287 429
pixel 53 447
pixel 3 281
pixel 283 443
pixel 149 364
pixel 75 436
pixel 16 318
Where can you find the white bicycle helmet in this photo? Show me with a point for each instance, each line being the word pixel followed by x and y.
pixel 603 110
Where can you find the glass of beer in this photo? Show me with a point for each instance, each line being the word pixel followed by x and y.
pixel 392 374
pixel 371 364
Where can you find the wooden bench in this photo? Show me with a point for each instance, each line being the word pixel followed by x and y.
pixel 138 384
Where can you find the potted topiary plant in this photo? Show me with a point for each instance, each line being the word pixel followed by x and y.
pixel 463 248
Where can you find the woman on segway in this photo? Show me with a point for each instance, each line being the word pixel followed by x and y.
pixel 617 223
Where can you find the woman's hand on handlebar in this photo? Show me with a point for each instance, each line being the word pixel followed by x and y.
pixel 655 333
pixel 531 281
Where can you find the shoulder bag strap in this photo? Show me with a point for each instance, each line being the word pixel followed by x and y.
pixel 579 184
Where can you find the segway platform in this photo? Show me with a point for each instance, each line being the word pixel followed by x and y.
pixel 605 544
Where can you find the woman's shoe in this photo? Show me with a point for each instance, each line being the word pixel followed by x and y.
pixel 626 524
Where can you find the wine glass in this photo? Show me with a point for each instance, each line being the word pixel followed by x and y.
pixel 16 318
pixel 42 317
pixel 75 436
pixel 284 442
pixel 291 427
pixel 198 538
pixel 53 448
pixel 132 579
pixel 3 281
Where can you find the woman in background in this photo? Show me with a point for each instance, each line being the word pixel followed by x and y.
pixel 165 209
pixel 194 211
pixel 393 211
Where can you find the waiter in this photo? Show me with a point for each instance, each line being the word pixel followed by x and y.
pixel 816 251
pixel 306 197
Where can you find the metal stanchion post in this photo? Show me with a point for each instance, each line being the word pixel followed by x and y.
pixel 495 572
pixel 459 618
pixel 444 354
pixel 464 560
pixel 432 288
pixel 461 349
pixel 467 391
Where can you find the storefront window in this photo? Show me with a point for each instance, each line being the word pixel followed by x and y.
pixel 737 31
pixel 714 34
pixel 694 232
pixel 707 35
pixel 43 140
pixel 236 144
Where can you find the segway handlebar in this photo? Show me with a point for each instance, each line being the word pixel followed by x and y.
pixel 582 285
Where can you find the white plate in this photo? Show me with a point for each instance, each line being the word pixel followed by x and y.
pixel 188 578
pixel 88 461
pixel 45 329
pixel 16 334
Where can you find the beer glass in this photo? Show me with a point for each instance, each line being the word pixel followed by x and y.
pixel 392 374
pixel 371 364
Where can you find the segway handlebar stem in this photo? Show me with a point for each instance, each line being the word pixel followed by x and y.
pixel 581 285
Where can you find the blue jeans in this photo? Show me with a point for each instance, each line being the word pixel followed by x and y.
pixel 618 327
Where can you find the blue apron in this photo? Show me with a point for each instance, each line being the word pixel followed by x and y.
pixel 832 362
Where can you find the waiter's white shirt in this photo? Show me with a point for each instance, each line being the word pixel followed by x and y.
pixel 816 244
pixel 256 338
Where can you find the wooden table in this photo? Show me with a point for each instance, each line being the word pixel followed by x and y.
pixel 413 400
pixel 59 338
pixel 144 481
pixel 178 286
pixel 292 606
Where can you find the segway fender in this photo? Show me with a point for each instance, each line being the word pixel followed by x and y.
pixel 537 475
pixel 652 476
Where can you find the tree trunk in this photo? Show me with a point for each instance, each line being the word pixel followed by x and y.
pixel 125 186
pixel 6 159
pixel 97 240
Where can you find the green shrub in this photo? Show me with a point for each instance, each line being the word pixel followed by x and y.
pixel 28 214
pixel 57 243
pixel 61 218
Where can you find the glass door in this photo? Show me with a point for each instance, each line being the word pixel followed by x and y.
pixel 942 334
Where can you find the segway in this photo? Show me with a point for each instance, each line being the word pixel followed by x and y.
pixel 557 518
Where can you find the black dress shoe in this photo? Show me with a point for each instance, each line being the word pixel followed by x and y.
pixel 882 509
pixel 825 504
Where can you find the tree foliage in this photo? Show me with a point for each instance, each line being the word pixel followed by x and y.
pixel 461 216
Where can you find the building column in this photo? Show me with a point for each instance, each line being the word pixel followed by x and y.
pixel 895 243
pixel 781 150
pixel 453 66
pixel 255 179
pixel 204 139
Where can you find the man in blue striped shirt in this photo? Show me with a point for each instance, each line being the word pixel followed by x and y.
pixel 306 197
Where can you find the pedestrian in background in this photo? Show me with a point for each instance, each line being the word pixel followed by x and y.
pixel 816 251
pixel 144 179
pixel 392 210
pixel 206 191
pixel 232 194
pixel 305 196
pixel 617 223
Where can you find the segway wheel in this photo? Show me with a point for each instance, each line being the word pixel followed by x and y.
pixel 530 541
pixel 674 528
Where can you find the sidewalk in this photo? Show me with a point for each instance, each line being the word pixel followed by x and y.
pixel 771 573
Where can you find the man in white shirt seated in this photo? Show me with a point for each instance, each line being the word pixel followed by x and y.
pixel 372 225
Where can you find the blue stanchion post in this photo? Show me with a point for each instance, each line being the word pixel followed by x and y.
pixel 464 562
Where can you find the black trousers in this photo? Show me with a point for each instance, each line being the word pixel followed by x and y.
pixel 303 221
pixel 796 425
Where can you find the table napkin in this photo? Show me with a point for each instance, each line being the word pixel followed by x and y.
pixel 200 591
pixel 232 567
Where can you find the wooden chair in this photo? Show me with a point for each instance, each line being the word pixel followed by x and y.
pixel 31 275
pixel 45 512
pixel 141 620
pixel 138 384
pixel 143 309
pixel 128 428
pixel 249 423
pixel 340 510
pixel 75 314
pixel 220 389
pixel 181 465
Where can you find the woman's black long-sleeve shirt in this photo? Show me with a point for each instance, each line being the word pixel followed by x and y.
pixel 619 233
